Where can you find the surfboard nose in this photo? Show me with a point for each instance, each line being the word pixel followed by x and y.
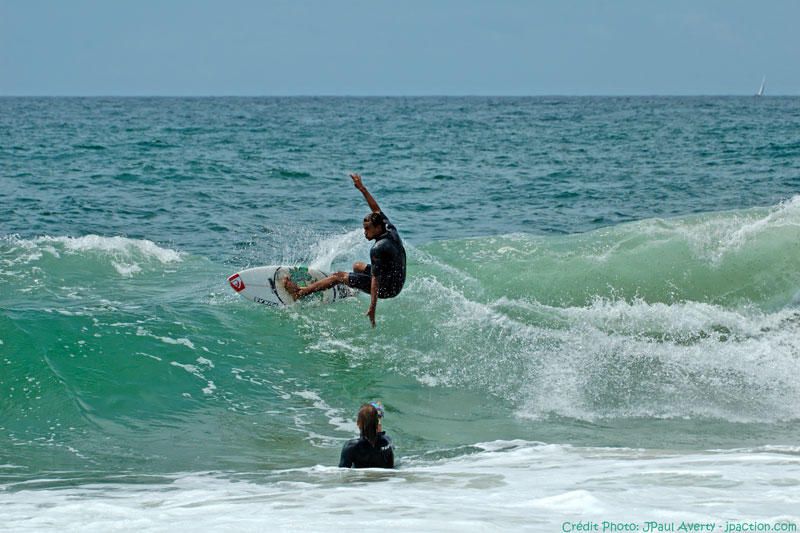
pixel 236 282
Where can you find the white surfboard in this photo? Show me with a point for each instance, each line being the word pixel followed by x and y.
pixel 264 285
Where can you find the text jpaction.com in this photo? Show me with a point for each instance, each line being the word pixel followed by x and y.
pixel 684 526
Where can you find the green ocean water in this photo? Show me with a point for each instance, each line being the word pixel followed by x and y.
pixel 583 272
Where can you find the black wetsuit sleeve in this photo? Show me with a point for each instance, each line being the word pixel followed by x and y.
pixel 388 454
pixel 386 221
pixel 346 459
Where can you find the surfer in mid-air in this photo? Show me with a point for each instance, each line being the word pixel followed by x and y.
pixel 384 276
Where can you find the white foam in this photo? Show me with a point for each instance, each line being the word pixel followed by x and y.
pixel 182 341
pixel 121 245
pixel 127 256
pixel 335 416
pixel 210 388
pixel 189 368
pixel 697 355
pixel 725 233
pixel 196 372
pixel 126 270
pixel 608 360
pixel 205 362
pixel 519 486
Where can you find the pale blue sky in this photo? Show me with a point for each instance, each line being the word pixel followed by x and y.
pixel 396 47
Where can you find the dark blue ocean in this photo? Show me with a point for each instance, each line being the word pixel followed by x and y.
pixel 601 320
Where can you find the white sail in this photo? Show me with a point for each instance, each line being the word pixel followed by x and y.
pixel 761 89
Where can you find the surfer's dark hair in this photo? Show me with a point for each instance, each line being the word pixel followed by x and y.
pixel 368 421
pixel 375 219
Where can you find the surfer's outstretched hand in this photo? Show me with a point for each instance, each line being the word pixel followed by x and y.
pixel 357 181
pixel 371 314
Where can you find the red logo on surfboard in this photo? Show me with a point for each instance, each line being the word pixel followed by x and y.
pixel 236 283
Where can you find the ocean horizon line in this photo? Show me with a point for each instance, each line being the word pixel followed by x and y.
pixel 309 95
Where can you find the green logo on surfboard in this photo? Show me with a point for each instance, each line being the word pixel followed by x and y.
pixel 303 278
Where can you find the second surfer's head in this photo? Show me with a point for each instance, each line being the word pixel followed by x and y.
pixel 369 421
pixel 374 226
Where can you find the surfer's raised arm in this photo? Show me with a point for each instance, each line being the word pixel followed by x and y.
pixel 367 196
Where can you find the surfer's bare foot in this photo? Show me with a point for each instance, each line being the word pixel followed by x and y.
pixel 292 288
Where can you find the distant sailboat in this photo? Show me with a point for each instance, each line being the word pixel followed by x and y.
pixel 761 89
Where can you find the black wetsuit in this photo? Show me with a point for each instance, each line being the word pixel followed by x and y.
pixel 359 453
pixel 387 263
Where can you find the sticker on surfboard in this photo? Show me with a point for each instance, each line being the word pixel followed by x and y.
pixel 236 283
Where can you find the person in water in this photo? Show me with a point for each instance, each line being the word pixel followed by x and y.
pixel 373 449
pixel 384 276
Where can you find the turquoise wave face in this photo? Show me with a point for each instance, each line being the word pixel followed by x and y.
pixel 122 355
pixel 735 258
